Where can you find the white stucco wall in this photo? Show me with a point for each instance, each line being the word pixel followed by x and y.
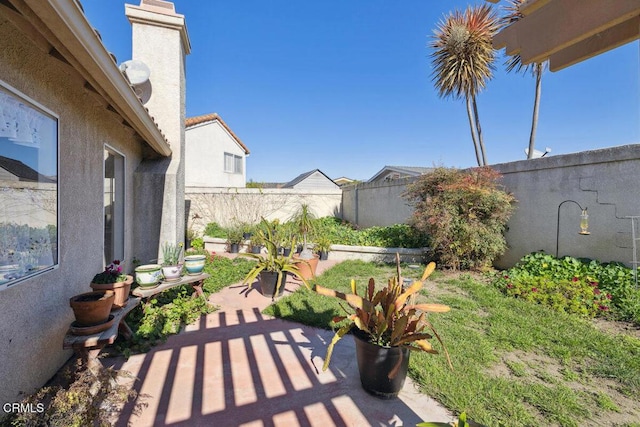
pixel 206 144
pixel 36 312
pixel 229 206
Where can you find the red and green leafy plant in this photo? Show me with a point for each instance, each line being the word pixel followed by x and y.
pixel 390 317
pixel 579 286
pixel 111 274
pixel 464 212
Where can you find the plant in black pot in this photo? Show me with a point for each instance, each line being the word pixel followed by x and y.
pixel 388 324
pixel 271 268
pixel 256 242
pixel 322 246
pixel 234 238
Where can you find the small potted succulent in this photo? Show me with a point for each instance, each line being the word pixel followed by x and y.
pixel 322 246
pixel 234 239
pixel 171 266
pixel 113 279
pixel 386 323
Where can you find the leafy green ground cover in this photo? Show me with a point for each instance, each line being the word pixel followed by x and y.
pixel 581 286
pixel 516 363
pixel 340 232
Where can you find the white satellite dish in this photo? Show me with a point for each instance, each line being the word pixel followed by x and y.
pixel 537 153
pixel 136 71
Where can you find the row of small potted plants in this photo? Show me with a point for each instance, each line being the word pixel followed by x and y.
pixel 112 286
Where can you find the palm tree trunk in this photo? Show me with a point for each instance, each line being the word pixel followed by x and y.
pixel 479 130
pixel 474 137
pixel 536 106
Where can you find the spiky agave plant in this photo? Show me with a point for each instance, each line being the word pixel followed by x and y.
pixel 272 261
pixel 389 317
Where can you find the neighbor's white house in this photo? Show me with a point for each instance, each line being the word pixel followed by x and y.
pixel 215 156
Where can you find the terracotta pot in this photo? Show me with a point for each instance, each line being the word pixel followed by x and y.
pixel 120 289
pixel 92 308
pixel 308 271
pixel 383 370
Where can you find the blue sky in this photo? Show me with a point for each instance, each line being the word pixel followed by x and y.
pixel 345 86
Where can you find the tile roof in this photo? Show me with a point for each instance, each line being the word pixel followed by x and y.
pixel 205 118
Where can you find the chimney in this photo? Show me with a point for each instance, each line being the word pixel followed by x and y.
pixel 161 41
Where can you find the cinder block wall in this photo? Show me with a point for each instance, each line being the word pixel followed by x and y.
pixel 605 181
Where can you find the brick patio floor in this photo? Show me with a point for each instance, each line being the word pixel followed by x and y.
pixel 238 367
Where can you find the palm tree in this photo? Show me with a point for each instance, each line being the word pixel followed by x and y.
pixel 463 62
pixel 514 62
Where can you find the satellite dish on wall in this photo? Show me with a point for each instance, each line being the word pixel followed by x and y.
pixel 137 72
pixel 537 153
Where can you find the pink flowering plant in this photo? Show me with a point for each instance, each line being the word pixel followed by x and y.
pixel 111 274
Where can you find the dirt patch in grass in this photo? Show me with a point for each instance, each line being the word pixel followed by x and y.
pixel 614 327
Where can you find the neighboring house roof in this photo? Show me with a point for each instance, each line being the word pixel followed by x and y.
pixel 61 28
pixel 213 117
pixel 303 176
pixel 343 180
pixel 403 171
pixel 22 171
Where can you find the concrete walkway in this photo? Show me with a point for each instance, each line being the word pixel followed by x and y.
pixel 238 367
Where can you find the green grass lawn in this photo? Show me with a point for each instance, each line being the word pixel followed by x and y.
pixel 516 363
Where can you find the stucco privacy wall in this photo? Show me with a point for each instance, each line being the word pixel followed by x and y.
pixel 36 313
pixel 229 206
pixel 377 203
pixel 604 181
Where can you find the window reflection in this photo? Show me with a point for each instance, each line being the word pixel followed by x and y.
pixel 28 188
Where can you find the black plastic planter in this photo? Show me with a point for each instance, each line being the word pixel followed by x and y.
pixel 383 370
pixel 268 281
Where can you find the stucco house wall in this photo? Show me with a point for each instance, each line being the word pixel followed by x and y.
pixel 206 145
pixel 36 312
pixel 51 56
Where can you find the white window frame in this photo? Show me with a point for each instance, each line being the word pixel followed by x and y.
pixel 232 163
pixel 118 243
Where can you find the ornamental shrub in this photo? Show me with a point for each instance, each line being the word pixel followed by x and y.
pixel 464 212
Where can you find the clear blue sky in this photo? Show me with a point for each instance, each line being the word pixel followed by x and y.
pixel 345 86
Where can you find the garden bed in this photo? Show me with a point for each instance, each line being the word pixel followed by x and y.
pixel 341 252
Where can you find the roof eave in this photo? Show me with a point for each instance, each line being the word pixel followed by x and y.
pixel 76 40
